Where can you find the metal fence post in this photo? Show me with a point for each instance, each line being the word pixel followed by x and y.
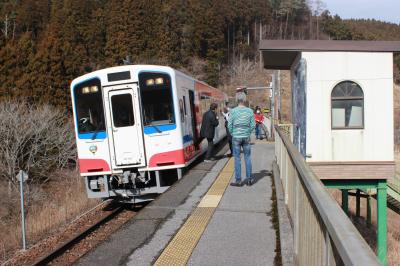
pixel 22 177
pixel 286 177
pixel 316 216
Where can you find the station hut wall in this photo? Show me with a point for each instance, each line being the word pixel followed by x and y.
pixel 373 72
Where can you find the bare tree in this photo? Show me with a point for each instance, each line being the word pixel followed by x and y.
pixel 310 4
pixel 316 7
pixel 6 26
pixel 241 71
pixel 196 67
pixel 37 139
pixel 244 72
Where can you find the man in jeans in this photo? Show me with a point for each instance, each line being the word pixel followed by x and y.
pixel 240 124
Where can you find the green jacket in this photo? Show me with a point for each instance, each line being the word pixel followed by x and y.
pixel 241 122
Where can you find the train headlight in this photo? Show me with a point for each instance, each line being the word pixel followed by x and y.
pixel 94 89
pixel 159 81
pixel 93 149
pixel 85 90
pixel 93 184
pixel 150 82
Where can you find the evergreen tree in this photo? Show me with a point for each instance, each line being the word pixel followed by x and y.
pixel 33 16
pixel 117 28
pixel 14 59
pixel 335 27
pixel 173 34
pixel 45 44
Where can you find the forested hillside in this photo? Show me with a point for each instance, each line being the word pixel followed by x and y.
pixel 361 29
pixel 44 44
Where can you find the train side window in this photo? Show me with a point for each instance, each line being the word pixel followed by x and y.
pixel 181 109
pixel 89 107
pixel 156 96
pixel 205 102
pixel 122 110
pixel 184 104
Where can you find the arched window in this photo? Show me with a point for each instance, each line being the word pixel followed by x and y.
pixel 347 103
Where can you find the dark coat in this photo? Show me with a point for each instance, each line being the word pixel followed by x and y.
pixel 208 125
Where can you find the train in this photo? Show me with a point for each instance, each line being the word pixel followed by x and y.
pixel 137 127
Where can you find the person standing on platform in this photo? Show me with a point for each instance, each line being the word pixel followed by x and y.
pixel 240 124
pixel 225 113
pixel 207 130
pixel 259 117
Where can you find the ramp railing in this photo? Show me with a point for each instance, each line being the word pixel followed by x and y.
pixel 322 233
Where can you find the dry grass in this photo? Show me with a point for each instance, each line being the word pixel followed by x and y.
pixel 59 202
pixel 393 220
pixel 369 234
pixel 396 113
pixel 397 159
pixel 286 97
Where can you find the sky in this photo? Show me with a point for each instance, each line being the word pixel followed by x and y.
pixel 385 10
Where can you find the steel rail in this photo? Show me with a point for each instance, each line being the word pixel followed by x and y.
pixel 58 251
pixel 351 247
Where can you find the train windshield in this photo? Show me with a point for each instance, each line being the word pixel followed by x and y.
pixel 156 94
pixel 89 107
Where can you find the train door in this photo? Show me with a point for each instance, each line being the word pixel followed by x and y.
pixel 126 127
pixel 193 118
pixel 185 117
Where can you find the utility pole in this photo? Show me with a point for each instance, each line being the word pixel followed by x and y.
pixel 273 105
pixel 278 85
pixel 271 87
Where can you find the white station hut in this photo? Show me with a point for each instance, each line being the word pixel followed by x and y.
pixel 342 112
pixel 342 104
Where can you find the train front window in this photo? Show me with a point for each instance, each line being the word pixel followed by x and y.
pixel 157 103
pixel 89 107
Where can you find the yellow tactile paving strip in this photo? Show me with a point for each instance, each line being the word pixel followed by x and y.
pixel 182 245
pixel 263 141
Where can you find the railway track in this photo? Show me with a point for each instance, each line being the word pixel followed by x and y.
pixel 81 236
pixel 61 249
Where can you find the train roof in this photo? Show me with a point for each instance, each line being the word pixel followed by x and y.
pixel 138 68
pixel 102 72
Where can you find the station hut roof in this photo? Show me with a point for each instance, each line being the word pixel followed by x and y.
pixel 280 54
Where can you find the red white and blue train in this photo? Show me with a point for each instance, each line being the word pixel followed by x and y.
pixel 137 127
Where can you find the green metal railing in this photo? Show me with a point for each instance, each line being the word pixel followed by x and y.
pixel 323 234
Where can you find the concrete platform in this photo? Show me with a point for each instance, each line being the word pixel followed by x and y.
pixel 238 232
pixel 241 231
pixel 169 210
